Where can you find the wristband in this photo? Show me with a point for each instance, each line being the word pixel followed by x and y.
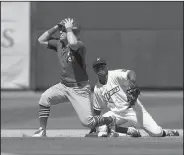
pixel 59 25
pixel 69 29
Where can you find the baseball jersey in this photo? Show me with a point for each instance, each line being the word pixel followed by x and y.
pixel 72 63
pixel 112 94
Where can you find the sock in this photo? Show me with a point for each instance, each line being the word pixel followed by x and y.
pixel 43 116
pixel 100 120
pixel 121 129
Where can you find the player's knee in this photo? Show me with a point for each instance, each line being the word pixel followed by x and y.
pixel 158 132
pixel 44 100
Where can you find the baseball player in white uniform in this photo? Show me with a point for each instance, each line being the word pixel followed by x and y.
pixel 116 89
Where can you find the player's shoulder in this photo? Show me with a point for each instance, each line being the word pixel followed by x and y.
pixel 113 74
pixel 117 71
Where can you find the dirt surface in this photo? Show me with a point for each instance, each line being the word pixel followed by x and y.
pixel 19 111
pixel 92 146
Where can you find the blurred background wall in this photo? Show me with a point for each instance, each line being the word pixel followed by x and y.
pixel 144 36
pixel 15 45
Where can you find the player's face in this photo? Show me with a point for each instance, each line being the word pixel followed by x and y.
pixel 62 35
pixel 101 69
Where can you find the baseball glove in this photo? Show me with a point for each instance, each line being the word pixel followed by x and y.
pixel 132 93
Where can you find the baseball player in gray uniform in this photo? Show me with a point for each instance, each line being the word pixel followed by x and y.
pixel 74 85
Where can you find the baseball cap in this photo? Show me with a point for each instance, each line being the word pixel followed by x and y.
pixel 99 61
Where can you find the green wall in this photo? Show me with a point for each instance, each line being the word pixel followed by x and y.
pixel 144 36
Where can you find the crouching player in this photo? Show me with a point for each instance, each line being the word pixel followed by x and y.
pixel 117 90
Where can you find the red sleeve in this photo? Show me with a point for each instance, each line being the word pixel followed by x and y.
pixel 52 44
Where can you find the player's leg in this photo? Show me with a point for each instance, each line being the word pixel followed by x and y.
pixel 148 124
pixel 80 97
pixel 123 124
pixel 52 96
pixel 104 130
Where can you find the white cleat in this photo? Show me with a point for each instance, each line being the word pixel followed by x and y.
pixel 113 134
pixel 106 134
pixel 40 133
pixel 103 134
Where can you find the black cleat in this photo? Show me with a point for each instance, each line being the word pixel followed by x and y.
pixel 172 133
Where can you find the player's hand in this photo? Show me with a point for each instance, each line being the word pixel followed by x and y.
pixel 132 93
pixel 68 23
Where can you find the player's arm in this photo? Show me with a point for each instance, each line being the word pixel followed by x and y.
pixel 131 76
pixel 98 103
pixel 97 107
pixel 126 74
pixel 72 39
pixel 47 36
pixel 132 91
pixel 127 77
pixel 73 42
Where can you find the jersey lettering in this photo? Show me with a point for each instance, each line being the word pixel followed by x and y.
pixel 108 94
pixel 70 57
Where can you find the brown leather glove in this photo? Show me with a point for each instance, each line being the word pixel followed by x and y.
pixel 132 93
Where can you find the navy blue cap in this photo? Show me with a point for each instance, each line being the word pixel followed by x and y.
pixel 99 61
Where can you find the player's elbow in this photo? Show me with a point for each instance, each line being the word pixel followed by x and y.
pixel 73 45
pixel 131 75
pixel 42 42
pixel 73 42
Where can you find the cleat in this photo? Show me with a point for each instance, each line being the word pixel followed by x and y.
pixel 114 134
pixel 40 133
pixel 103 134
pixel 110 130
pixel 93 134
pixel 133 132
pixel 171 133
pixel 108 134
